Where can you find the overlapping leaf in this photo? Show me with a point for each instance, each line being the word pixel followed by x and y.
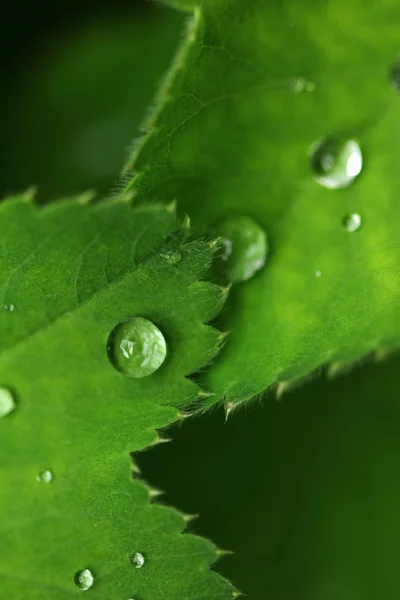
pixel 254 86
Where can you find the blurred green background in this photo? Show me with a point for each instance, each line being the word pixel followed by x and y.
pixel 77 79
pixel 305 491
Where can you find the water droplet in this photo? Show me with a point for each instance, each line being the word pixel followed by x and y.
pixel 136 347
pixel 171 258
pixel 45 477
pixel 137 560
pixel 336 163
pixel 9 307
pixel 244 245
pixel 7 402
pixel 299 84
pixel 84 579
pixel 226 246
pixel 352 222
pixel 318 273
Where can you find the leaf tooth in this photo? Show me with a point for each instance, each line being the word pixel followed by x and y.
pixel 136 469
pixel 189 518
pixel 228 409
pixel 203 395
pixel 186 222
pixel 382 354
pixel 214 244
pixel 160 440
pixel 287 385
pixel 338 368
pixel 181 416
pixel 231 407
pixel 86 197
pixel 283 387
pixel 29 194
pixel 154 493
pixel 221 553
pixel 223 336
pixel 171 206
pixel 225 289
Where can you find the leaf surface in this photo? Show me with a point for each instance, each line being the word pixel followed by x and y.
pixel 70 273
pixel 254 86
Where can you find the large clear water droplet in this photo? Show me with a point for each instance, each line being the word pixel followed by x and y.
pixel 84 579
pixel 244 247
pixel 335 162
pixel 352 222
pixel 137 560
pixel 7 402
pixel 136 347
pixel 45 476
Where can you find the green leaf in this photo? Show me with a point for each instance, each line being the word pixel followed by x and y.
pixel 254 86
pixel 70 273
pixel 316 511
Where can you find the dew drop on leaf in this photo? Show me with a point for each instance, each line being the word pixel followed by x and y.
pixel 318 274
pixel 336 163
pixel 9 307
pixel 244 247
pixel 7 402
pixel 45 476
pixel 84 579
pixel 137 560
pixel 352 222
pixel 136 347
pixel 299 84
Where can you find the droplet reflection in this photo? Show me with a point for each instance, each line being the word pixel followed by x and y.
pixel 336 163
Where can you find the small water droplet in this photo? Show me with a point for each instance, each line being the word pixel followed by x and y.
pixel 9 307
pixel 136 347
pixel 336 163
pixel 45 476
pixel 7 402
pixel 300 84
pixel 171 258
pixel 137 560
pixel 352 222
pixel 318 273
pixel 244 247
pixel 84 579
